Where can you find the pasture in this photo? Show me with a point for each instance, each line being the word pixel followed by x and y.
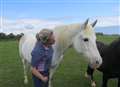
pixel 69 74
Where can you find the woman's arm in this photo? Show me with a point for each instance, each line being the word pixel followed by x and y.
pixel 39 75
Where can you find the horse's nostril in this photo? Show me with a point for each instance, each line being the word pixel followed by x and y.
pixel 97 62
pixel 85 39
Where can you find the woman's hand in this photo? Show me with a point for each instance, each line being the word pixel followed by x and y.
pixel 44 78
pixel 39 75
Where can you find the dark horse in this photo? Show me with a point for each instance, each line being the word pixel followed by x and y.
pixel 111 62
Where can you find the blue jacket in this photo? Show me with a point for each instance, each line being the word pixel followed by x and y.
pixel 40 53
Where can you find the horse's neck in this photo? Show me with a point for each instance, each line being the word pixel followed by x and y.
pixel 65 35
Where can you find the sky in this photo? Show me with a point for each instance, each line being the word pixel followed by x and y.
pixel 23 15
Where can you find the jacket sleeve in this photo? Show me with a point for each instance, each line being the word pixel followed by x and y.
pixel 36 57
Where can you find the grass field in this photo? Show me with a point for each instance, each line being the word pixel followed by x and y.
pixel 69 74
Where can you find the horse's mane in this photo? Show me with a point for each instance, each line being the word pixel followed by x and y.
pixel 64 33
pixel 63 28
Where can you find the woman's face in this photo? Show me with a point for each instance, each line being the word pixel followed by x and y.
pixel 51 39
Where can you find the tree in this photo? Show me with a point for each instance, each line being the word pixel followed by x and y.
pixel 2 35
pixel 11 35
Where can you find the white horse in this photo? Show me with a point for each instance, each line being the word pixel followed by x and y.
pixel 81 36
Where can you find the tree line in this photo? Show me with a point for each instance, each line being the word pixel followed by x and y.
pixel 4 36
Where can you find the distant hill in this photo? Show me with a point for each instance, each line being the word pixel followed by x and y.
pixel 109 30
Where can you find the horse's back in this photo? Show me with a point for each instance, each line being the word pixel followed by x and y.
pixel 26 45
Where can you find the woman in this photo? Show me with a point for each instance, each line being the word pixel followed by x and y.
pixel 41 57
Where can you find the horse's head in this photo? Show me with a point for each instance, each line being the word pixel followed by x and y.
pixel 85 42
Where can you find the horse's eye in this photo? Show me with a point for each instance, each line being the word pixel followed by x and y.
pixel 85 39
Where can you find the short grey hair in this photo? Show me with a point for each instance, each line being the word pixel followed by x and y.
pixel 43 35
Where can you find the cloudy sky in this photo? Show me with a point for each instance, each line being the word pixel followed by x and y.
pixel 32 15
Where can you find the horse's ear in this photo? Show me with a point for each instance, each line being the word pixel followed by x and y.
pixel 94 23
pixel 86 22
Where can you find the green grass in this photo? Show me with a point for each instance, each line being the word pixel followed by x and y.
pixel 69 74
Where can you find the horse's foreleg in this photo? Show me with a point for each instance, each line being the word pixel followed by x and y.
pixel 25 72
pixel 50 79
pixel 52 71
pixel 89 75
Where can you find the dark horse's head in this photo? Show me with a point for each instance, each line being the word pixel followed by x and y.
pixel 101 47
pixel 115 47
